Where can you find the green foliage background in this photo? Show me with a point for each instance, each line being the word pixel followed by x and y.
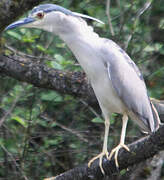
pixel 35 146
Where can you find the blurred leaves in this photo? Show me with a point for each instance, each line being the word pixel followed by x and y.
pixel 40 146
pixel 51 96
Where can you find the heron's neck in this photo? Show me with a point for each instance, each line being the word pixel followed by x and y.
pixel 84 43
pixel 79 34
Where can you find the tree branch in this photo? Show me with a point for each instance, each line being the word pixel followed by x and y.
pixel 72 83
pixel 10 10
pixel 109 18
pixel 139 151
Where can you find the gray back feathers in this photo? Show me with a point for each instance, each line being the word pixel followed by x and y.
pixel 128 82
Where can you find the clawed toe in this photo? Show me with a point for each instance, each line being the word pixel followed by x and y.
pixel 115 153
pixel 100 157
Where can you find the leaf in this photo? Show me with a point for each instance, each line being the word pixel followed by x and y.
pixel 29 38
pixel 20 121
pixel 26 39
pixel 14 35
pixel 53 124
pixel 51 96
pixel 149 48
pixel 56 65
pixel 59 58
pixel 41 48
pixel 122 172
pixel 112 118
pixel 97 120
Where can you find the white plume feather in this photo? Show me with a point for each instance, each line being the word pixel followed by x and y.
pixel 88 17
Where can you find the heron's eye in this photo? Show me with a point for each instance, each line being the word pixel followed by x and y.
pixel 40 15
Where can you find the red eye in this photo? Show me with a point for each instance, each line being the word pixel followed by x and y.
pixel 40 15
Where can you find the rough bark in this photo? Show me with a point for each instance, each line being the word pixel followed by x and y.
pixel 73 83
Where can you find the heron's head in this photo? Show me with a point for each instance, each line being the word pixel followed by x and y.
pixel 50 17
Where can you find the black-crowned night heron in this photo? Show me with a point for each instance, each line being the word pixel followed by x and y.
pixel 116 80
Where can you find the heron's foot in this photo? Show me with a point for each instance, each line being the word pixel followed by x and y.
pixel 115 151
pixel 100 157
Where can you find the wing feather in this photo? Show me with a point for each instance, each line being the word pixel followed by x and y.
pixel 128 82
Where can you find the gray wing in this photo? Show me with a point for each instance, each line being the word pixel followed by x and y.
pixel 129 84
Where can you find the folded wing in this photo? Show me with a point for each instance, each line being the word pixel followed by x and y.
pixel 129 84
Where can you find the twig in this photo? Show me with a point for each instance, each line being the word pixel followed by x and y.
pixel 139 13
pixel 8 113
pixel 90 108
pixel 109 18
pixel 65 128
pixel 16 52
pixel 13 159
pixel 121 13
pixel 159 105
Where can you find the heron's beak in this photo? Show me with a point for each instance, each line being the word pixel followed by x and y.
pixel 21 23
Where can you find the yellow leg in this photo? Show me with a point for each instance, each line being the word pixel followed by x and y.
pixel 122 141
pixel 104 151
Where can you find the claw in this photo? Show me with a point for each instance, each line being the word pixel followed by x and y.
pixel 115 151
pixel 100 157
